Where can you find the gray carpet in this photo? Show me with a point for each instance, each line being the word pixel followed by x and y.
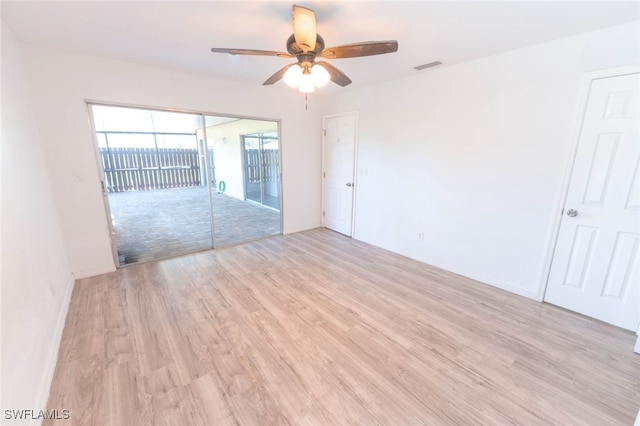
pixel 156 224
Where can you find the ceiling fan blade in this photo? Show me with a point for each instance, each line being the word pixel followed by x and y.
pixel 304 28
pixel 278 75
pixel 251 52
pixel 367 48
pixel 337 76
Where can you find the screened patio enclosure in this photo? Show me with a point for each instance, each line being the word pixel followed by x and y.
pixel 174 181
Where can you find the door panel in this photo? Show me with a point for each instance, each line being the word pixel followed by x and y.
pixel 338 183
pixel 581 255
pixel 624 266
pixel 597 257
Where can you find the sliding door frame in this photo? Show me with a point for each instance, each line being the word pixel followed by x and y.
pixel 103 188
pixel 107 208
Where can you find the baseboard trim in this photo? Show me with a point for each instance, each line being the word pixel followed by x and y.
pixel 78 275
pixel 491 282
pixel 456 269
pixel 47 377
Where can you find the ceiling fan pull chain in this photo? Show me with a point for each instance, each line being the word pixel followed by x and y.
pixel 306 104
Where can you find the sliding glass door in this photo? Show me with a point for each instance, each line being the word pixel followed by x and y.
pixel 262 168
pixel 173 182
pixel 237 217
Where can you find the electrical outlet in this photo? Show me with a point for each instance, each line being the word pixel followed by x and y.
pixel 420 236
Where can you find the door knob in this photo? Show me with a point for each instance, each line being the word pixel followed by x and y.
pixel 349 184
pixel 572 213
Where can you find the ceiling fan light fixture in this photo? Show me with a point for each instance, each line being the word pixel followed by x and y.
pixel 306 83
pixel 320 75
pixel 293 76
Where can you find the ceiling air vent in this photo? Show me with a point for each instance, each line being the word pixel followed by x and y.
pixel 429 65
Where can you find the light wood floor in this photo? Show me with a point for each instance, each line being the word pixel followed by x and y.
pixel 317 329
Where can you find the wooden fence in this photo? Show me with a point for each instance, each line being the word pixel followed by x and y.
pixel 138 169
pixel 270 165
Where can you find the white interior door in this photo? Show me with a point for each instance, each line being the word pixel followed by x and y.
pixel 596 265
pixel 338 148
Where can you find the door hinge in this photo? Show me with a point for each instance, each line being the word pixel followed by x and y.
pixel 324 132
pixel 323 214
pixel 104 191
pixel 324 174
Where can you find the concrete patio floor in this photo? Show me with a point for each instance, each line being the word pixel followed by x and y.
pixel 151 225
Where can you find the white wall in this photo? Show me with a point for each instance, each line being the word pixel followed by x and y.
pixel 474 156
pixel 36 280
pixel 63 81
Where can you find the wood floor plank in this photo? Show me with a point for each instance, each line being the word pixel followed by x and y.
pixel 315 328
pixel 79 388
pixel 210 401
pixel 125 398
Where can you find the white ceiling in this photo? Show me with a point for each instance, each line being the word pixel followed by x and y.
pixel 179 34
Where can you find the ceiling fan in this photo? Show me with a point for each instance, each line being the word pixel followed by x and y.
pixel 305 44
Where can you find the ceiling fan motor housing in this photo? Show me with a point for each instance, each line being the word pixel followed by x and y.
pixel 295 50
